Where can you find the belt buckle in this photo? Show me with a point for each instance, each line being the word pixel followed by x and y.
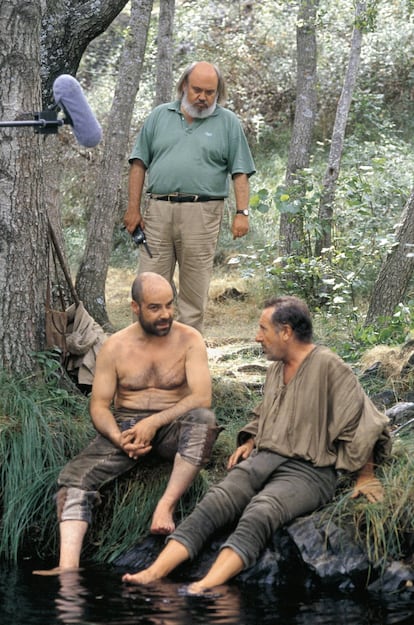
pixel 172 196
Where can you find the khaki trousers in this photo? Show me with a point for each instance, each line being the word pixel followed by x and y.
pixel 185 234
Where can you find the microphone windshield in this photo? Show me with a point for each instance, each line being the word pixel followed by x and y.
pixel 70 98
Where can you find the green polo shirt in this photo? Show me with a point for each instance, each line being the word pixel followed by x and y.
pixel 192 158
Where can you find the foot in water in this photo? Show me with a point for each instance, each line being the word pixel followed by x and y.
pixel 142 577
pixel 58 570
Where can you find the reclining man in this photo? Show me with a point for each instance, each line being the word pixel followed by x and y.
pixel 155 375
pixel 314 419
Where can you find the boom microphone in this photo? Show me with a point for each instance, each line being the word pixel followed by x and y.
pixel 70 98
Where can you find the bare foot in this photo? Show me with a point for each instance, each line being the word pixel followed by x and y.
pixel 162 519
pixel 196 589
pixel 142 577
pixel 58 570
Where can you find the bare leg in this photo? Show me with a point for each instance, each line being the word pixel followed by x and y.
pixel 182 475
pixel 72 534
pixel 227 565
pixel 173 554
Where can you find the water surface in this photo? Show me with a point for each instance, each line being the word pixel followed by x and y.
pixel 96 595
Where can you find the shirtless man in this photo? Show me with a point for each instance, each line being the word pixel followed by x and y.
pixel 154 375
pixel 314 419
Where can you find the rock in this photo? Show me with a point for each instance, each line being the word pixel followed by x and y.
pixel 400 413
pixel 384 399
pixel 396 578
pixel 310 551
pixel 329 553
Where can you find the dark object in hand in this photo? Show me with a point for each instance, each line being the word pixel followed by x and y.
pixel 138 236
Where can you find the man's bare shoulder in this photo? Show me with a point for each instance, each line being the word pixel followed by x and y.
pixel 187 333
pixel 121 337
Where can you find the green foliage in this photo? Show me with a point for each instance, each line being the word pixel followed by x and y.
pixel 360 338
pixel 258 40
pixel 372 188
pixel 383 529
pixel 41 425
pixel 124 517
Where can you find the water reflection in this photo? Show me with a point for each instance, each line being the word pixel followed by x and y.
pixel 96 596
pixel 71 600
pixel 169 604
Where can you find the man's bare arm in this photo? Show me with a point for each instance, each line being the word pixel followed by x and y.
pixel 103 391
pixel 241 453
pixel 133 217
pixel 240 225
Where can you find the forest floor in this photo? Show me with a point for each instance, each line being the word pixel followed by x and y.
pixel 230 325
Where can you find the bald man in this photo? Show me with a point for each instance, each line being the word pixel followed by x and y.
pixel 313 421
pixel 151 394
pixel 190 148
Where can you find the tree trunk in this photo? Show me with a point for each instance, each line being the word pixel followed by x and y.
pixel 165 53
pixel 23 224
pixel 326 204
pixel 395 274
pixel 291 224
pixel 67 29
pixel 91 278
pixel 32 47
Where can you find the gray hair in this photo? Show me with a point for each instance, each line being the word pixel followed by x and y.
pixel 292 311
pixel 221 87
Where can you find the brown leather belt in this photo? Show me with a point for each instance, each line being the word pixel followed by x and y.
pixel 175 197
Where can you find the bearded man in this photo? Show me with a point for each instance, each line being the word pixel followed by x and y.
pixel 151 394
pixel 314 421
pixel 190 148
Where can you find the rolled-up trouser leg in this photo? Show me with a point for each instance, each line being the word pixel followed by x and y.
pixel 296 488
pixel 191 435
pixel 99 463
pixel 74 504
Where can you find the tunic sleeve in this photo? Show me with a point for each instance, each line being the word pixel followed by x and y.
pixel 250 429
pixel 371 434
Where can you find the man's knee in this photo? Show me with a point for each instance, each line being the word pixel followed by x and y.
pixel 201 415
pixel 74 504
pixel 198 433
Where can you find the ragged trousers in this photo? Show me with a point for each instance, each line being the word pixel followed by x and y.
pixel 192 436
pixel 261 494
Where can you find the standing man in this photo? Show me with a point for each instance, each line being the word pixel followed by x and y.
pixel 314 419
pixel 190 147
pixel 151 393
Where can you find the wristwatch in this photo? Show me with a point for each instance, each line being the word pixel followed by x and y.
pixel 244 212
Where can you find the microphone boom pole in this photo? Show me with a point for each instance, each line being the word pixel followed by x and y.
pixel 45 122
pixel 71 100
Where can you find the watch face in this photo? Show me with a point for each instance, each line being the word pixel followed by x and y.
pixel 243 212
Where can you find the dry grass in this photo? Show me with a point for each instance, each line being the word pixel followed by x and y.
pixel 118 296
pixel 232 312
pixel 392 360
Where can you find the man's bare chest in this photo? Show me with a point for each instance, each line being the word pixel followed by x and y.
pixel 146 372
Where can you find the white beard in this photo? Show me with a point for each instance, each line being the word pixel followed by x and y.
pixel 194 111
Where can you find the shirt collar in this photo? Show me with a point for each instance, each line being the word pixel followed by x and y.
pixel 176 106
